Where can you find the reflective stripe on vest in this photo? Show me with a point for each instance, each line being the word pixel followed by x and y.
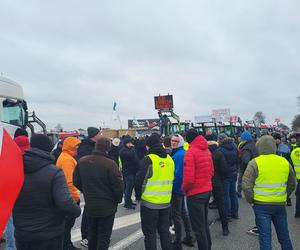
pixel 158 189
pixel 271 182
pixel 295 156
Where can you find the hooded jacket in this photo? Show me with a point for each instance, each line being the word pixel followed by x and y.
pixel 98 177
pixel 178 158
pixel 230 153
pixel 220 164
pixel 44 200
pixel 67 163
pixel 264 146
pixel 198 168
pixel 247 153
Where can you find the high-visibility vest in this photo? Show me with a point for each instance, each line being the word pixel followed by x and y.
pixel 186 146
pixel 271 182
pixel 293 146
pixel 158 189
pixel 295 156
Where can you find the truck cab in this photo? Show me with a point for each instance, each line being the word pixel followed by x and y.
pixel 13 108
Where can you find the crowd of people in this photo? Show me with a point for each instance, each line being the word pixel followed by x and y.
pixel 175 180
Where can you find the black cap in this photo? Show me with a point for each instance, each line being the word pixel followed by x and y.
pixel 153 140
pixel 92 131
pixel 41 142
pixel 20 132
pixel 191 134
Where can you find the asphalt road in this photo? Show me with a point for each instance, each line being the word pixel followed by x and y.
pixel 127 231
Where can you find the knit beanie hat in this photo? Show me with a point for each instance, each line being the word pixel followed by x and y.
pixel 92 131
pixel 41 142
pixel 19 132
pixel 222 137
pixel 103 144
pixel 153 140
pixel 246 136
pixel 191 134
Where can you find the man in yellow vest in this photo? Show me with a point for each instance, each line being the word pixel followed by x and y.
pixel 295 157
pixel 153 187
pixel 267 182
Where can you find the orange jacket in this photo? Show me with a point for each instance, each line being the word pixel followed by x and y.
pixel 67 163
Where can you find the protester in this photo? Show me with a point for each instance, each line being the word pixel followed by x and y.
pixel 197 185
pixel 284 151
pixel 130 166
pixel 85 148
pixel 114 151
pixel 140 146
pixel 229 150
pixel 295 157
pixel 179 213
pixel 44 201
pixel 154 184
pixel 293 142
pixel 267 182
pixel 66 161
pixel 56 152
pixel 98 177
pixel 220 167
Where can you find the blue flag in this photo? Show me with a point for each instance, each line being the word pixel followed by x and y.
pixel 114 106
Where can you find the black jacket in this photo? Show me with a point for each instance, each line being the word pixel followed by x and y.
pixel 100 180
pixel 247 153
pixel 220 164
pixel 44 200
pixel 114 153
pixel 140 147
pixel 146 166
pixel 230 153
pixel 86 147
pixel 130 161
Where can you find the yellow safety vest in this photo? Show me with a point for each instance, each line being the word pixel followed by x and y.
pixel 186 146
pixel 158 189
pixel 271 182
pixel 295 156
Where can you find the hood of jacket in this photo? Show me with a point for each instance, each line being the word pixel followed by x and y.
pixel 35 159
pixel 247 145
pixel 88 142
pixel 22 142
pixel 212 145
pixel 158 149
pixel 228 144
pixel 70 145
pixel 266 145
pixel 199 142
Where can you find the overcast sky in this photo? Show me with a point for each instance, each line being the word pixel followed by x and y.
pixel 74 58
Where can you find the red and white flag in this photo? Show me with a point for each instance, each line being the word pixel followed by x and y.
pixel 11 175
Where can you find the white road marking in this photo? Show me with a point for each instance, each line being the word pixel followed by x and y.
pixel 122 244
pixel 120 222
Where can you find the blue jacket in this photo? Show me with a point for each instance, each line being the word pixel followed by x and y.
pixel 230 152
pixel 178 157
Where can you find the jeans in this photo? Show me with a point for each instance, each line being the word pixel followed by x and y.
pixel 53 244
pixel 70 221
pixel 264 215
pixel 198 210
pixel 220 202
pixel 297 213
pixel 84 225
pixel 9 233
pixel 180 215
pixel 129 185
pixel 100 230
pixel 153 220
pixel 231 199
